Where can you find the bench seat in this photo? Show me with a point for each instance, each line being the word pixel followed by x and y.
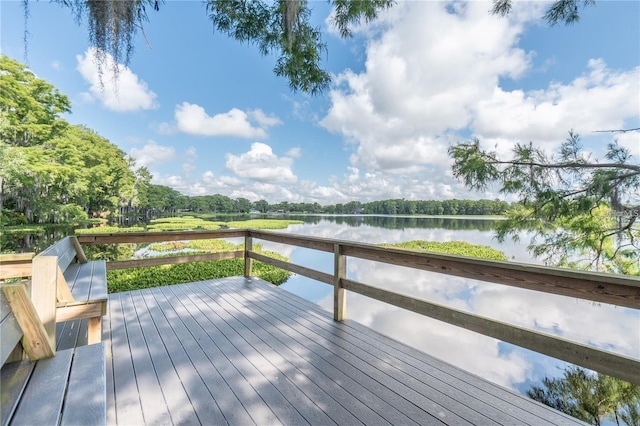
pixel 67 389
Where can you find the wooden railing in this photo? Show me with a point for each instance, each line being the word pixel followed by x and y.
pixel 606 288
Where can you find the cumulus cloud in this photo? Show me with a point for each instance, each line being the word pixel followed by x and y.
pixel 599 99
pixel 152 153
pixel 432 77
pixel 262 165
pixel 194 120
pixel 125 93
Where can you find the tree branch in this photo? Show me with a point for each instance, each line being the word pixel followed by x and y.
pixel 574 165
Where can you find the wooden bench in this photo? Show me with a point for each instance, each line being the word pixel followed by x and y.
pixel 81 286
pixel 40 386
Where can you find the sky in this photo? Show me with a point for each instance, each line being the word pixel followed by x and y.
pixel 206 114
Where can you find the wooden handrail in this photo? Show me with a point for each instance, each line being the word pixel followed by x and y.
pixel 606 288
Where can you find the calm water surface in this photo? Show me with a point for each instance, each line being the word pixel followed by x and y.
pixel 605 326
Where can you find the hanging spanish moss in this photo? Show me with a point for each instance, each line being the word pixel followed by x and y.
pixel 112 25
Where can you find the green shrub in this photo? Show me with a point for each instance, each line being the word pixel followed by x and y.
pixel 154 276
pixel 264 223
pixel 460 248
pixel 107 230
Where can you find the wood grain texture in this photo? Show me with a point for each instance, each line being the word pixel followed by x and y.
pixel 44 292
pixel 241 351
pixel 140 263
pixel 36 341
pixel 86 397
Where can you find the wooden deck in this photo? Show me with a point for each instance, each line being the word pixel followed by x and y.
pixel 241 351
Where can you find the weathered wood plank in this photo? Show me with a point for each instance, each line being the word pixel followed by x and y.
pixel 172 260
pixel 51 376
pixel 43 292
pixel 127 400
pixel 327 386
pixel 152 399
pixel 607 288
pixel 150 237
pixel 36 341
pixel 605 362
pixel 263 403
pixel 82 258
pixel 20 269
pixel 339 292
pixel 15 257
pixel 10 330
pixel 214 374
pixel 242 352
pixel 406 357
pixel 285 377
pixel 85 401
pixel 63 293
pixel 14 378
pixel 393 388
pixel 78 310
pixel 296 269
pixel 307 241
pixel 63 250
pixel 178 402
pixel 98 290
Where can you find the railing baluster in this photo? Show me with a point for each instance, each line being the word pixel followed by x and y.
pixel 339 292
pixel 248 261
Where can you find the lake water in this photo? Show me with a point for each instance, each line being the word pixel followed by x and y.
pixel 605 326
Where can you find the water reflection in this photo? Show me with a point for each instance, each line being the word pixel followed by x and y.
pixel 613 328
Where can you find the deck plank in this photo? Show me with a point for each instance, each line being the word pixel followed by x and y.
pixel 313 354
pixel 208 373
pixel 241 351
pixel 370 372
pixel 417 365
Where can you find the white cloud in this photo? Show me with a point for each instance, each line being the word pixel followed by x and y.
pixel 194 120
pixel 125 93
pixel 597 100
pixel 262 165
pixel 294 152
pixel 432 76
pixel 152 153
pixel 631 141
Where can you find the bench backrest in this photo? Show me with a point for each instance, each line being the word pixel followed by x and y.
pixel 66 250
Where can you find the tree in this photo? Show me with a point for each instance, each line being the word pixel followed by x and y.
pixel 590 397
pixel 583 211
pixel 567 11
pixel 281 27
pixel 30 108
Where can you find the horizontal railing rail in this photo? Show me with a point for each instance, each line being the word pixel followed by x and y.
pixel 598 287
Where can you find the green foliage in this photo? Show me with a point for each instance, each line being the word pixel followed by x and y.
pixel 216 246
pixel 459 248
pixel 109 252
pixel 181 223
pixel 153 276
pixel 264 223
pixel 590 397
pixel 565 11
pixel 108 230
pixel 281 28
pixel 582 212
pixel 51 172
pixel 30 108
pixel 23 229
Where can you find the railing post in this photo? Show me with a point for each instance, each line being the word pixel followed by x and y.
pixel 248 261
pixel 339 292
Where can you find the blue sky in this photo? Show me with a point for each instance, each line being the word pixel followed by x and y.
pixel 205 114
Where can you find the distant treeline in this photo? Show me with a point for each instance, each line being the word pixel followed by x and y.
pixel 162 199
